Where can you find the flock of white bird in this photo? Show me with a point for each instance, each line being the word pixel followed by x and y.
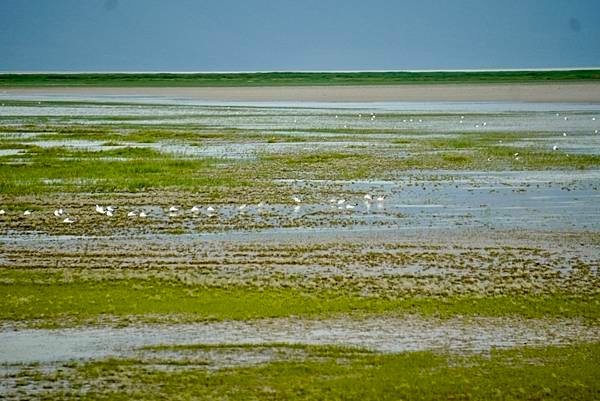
pixel 461 121
pixel 173 211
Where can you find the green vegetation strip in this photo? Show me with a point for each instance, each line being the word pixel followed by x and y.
pixel 45 170
pixel 26 299
pixel 336 373
pixel 288 78
pixel 122 169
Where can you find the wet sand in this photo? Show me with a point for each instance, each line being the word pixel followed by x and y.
pixel 588 92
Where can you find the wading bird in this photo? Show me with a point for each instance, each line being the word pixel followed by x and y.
pixel 554 147
pixel 173 209
pixel 68 220
pixel 100 209
pixel 27 212
pixel 210 209
pixel 296 199
pixel 132 214
pixel 368 197
pixel 195 209
pixel 143 214
pixel 2 212
pixel 58 212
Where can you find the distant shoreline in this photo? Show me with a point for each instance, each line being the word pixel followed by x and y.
pixel 567 92
pixel 288 79
pixel 425 70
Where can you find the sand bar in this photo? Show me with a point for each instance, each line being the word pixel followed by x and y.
pixel 588 92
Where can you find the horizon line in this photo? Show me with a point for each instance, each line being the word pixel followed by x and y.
pixel 294 71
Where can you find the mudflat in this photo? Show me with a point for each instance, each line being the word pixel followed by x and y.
pixel 588 92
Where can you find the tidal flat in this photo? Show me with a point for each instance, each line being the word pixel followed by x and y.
pixel 154 247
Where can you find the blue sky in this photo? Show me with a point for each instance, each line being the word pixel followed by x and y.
pixel 238 35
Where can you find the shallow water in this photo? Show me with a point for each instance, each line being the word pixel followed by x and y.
pixel 380 334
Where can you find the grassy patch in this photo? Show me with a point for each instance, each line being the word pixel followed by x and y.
pixel 334 373
pixel 123 169
pixel 30 296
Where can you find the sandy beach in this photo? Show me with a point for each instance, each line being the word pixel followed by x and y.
pixel 551 92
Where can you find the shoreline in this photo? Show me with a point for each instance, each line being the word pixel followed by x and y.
pixel 588 92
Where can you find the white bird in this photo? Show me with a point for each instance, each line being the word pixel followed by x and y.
pixel 557 114
pixel 242 207
pixel 132 214
pixel 260 204
pixel 332 200
pixel 2 212
pixel 460 121
pixel 350 206
pixel 595 131
pixel 27 212
pixel 462 117
pixel 110 208
pixel 100 209
pixel 368 197
pixel 516 154
pixel 296 208
pixel 58 212
pixel 296 199
pixel 564 134
pixel 380 199
pixel 484 123
pixel 143 214
pixel 341 201
pixel 593 118
pixel 566 118
pixel 173 209
pixel 195 209
pixel 554 147
pixel 68 220
pixel 210 209
pixel 109 213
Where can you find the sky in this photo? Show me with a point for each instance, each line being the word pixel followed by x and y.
pixel 283 35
